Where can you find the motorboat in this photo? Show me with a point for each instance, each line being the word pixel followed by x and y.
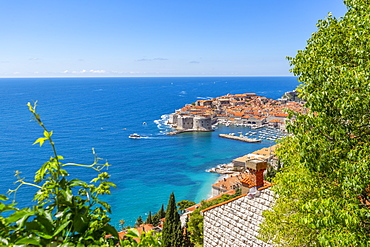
pixel 134 136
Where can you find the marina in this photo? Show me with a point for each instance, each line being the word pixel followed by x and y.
pixel 257 135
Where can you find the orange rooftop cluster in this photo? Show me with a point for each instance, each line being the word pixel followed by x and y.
pixel 246 109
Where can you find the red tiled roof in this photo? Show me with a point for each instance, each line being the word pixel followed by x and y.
pixel 235 198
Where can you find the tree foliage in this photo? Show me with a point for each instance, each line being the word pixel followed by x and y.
pixel 139 221
pixel 184 204
pixel 172 235
pixel 67 213
pixel 149 219
pixel 158 216
pixel 324 183
pixel 145 239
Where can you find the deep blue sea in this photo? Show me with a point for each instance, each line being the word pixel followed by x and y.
pixel 101 113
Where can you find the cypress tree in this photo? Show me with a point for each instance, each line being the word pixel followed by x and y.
pixel 161 212
pixel 149 220
pixel 172 235
pixel 159 215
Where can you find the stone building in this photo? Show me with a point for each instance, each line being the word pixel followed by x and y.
pixel 202 123
pixel 235 223
pixel 190 122
pixel 185 122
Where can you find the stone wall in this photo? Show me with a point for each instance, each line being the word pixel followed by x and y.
pixel 185 122
pixel 236 223
pixel 202 123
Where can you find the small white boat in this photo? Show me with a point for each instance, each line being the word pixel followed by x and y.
pixel 134 136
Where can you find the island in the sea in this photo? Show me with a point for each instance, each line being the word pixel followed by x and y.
pixel 246 109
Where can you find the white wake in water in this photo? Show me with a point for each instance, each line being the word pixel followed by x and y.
pixel 205 98
pixel 162 123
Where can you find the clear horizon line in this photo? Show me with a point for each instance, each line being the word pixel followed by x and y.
pixel 30 77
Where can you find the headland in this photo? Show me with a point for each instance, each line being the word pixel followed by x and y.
pixel 247 109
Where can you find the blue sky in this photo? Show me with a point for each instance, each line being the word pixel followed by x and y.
pixel 156 37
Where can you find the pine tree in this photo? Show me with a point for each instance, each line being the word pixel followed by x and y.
pixel 172 235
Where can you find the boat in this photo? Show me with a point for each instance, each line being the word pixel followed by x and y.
pixel 134 136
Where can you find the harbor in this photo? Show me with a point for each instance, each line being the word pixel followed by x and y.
pixel 257 135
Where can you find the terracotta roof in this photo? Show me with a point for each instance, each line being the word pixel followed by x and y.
pixel 266 185
pixel 281 115
pixel 145 228
pixel 275 121
pixel 238 114
pixel 120 235
pixel 230 182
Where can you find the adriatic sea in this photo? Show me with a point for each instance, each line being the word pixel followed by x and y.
pixel 101 113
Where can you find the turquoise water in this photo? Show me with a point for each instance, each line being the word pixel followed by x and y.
pixel 100 113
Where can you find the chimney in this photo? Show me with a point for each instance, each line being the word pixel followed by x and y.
pixel 255 178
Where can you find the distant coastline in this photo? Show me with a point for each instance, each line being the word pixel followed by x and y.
pixel 94 112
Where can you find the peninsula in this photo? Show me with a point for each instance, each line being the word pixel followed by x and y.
pixel 246 109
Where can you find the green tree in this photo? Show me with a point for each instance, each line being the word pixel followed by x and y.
pixel 121 224
pixel 159 215
pixel 325 180
pixel 172 235
pixel 67 213
pixel 187 240
pixel 184 204
pixel 139 221
pixel 149 219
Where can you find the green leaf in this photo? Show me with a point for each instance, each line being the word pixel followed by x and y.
pixel 111 230
pixel 80 223
pixel 20 214
pixel 44 235
pixel 48 134
pixel 77 182
pixel 47 225
pixel 132 233
pixel 40 140
pixel 61 227
pixel 28 241
pixel 67 245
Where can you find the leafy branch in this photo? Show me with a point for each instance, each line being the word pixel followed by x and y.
pixel 68 212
